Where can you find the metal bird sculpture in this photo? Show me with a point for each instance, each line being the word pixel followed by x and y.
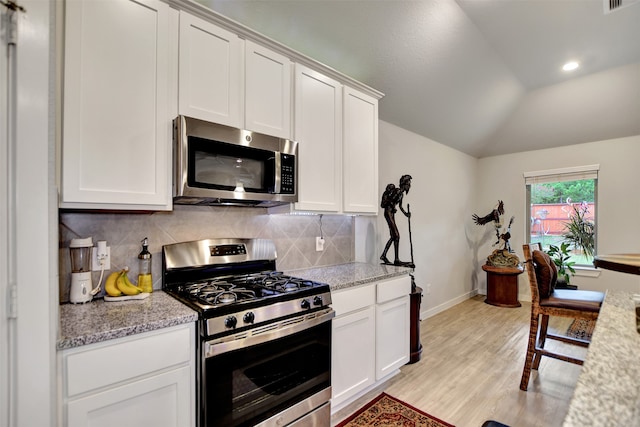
pixel 494 215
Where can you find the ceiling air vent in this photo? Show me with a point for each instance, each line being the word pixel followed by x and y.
pixel 613 5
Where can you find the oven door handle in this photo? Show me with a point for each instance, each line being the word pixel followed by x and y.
pixel 266 333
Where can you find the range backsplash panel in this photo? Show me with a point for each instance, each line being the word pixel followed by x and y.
pixel 294 236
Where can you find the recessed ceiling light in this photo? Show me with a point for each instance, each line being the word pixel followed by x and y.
pixel 570 66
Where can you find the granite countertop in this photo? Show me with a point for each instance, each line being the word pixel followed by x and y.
pixel 98 320
pixel 348 275
pixel 608 388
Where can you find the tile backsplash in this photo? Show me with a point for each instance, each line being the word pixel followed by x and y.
pixel 293 235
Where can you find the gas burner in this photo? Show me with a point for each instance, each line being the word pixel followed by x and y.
pixel 217 292
pixel 284 285
pixel 225 298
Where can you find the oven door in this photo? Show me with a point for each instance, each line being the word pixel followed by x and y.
pixel 277 374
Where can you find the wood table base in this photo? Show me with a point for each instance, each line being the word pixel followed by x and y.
pixel 502 286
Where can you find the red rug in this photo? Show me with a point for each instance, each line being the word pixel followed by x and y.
pixel 387 411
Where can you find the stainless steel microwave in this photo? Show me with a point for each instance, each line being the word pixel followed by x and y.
pixel 221 165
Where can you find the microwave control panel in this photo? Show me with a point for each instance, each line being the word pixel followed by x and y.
pixel 287 174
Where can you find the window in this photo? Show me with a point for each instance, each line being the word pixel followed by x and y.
pixel 563 206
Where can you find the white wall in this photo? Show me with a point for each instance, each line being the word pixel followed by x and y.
pixel 618 212
pixel 441 199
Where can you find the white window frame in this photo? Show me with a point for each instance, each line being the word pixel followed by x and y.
pixel 574 173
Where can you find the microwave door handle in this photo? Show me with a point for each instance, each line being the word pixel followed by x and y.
pixel 277 171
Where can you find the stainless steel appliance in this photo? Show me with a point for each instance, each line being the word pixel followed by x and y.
pixel 216 164
pixel 264 338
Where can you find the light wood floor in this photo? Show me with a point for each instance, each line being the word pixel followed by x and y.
pixel 470 370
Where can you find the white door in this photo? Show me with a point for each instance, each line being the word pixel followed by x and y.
pixel 360 148
pixel 5 345
pixel 267 91
pixel 210 72
pixel 116 146
pixel 353 354
pixel 392 336
pixel 160 401
pixel 318 130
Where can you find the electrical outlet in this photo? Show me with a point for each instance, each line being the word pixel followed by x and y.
pixel 428 289
pixel 319 244
pixel 101 252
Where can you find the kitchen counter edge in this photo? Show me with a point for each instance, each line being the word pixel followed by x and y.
pixel 607 392
pixel 349 275
pixel 98 320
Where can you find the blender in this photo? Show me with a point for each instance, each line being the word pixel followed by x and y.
pixel 81 286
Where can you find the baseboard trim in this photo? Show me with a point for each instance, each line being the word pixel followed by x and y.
pixel 448 304
pixel 337 407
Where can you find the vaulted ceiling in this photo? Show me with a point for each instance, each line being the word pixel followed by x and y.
pixel 481 76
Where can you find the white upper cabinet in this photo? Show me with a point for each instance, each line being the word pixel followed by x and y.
pixel 211 65
pixel 116 138
pixel 267 91
pixel 318 130
pixel 360 153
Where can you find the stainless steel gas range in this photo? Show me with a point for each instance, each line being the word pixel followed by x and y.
pixel 264 338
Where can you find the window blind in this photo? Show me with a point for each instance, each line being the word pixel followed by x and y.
pixel 565 174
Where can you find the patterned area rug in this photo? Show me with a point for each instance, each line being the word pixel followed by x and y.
pixel 387 411
pixel 581 328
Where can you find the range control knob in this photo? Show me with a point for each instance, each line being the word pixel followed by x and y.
pixel 317 300
pixel 249 317
pixel 305 304
pixel 230 322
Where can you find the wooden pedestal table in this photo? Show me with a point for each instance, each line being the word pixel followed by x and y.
pixel 502 285
pixel 414 328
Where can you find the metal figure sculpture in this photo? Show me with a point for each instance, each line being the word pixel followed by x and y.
pixel 502 257
pixel 391 198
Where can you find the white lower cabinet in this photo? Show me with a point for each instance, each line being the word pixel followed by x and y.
pixel 370 337
pixel 145 379
pixel 353 343
pixel 392 336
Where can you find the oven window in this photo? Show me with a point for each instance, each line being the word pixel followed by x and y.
pixel 225 166
pixel 249 385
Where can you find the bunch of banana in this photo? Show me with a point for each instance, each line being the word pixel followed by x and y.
pixel 124 284
pixel 110 285
pixel 118 284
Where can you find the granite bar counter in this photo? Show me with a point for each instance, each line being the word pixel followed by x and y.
pixel 348 275
pixel 98 320
pixel 608 388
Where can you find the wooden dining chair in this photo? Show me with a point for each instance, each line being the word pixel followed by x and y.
pixel 547 301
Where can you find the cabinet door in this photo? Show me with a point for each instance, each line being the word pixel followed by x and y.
pixel 116 144
pixel 318 130
pixel 360 148
pixel 392 336
pixel 210 82
pixel 267 91
pixel 353 354
pixel 160 401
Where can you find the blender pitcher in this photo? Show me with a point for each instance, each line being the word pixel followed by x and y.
pixel 81 285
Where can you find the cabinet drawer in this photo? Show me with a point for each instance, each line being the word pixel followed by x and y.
pixel 352 299
pixel 95 366
pixel 393 288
